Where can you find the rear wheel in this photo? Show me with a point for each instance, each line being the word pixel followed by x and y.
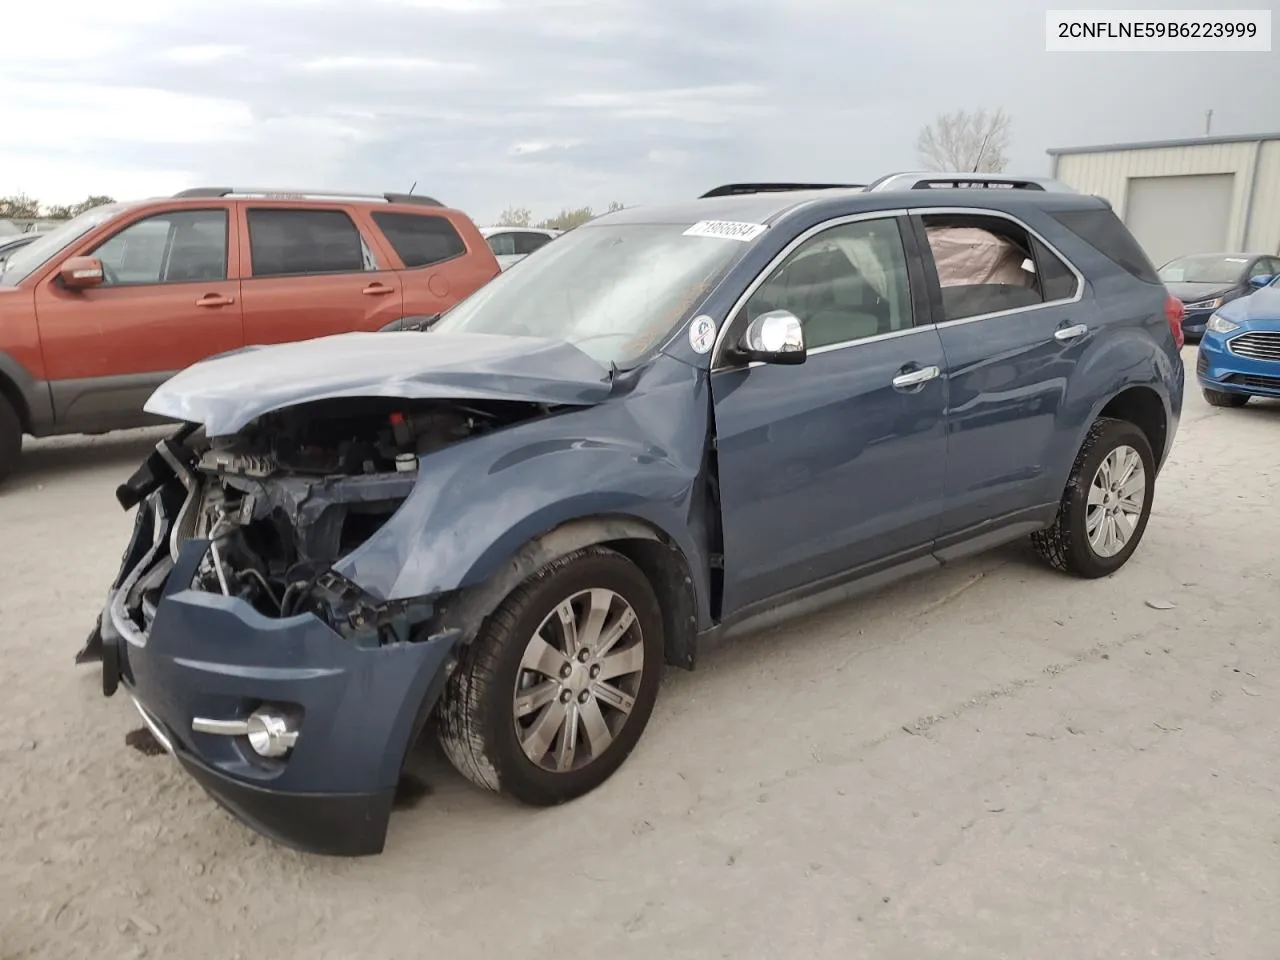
pixel 554 692
pixel 1219 398
pixel 1104 509
pixel 10 438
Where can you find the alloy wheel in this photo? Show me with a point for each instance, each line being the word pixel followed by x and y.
pixel 1116 498
pixel 578 679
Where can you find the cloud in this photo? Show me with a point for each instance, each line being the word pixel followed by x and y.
pixel 556 103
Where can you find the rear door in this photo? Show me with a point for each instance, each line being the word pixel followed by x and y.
pixel 1013 327
pixel 836 464
pixel 436 267
pixel 169 298
pixel 309 271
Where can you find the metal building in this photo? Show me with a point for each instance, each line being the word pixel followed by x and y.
pixel 1207 195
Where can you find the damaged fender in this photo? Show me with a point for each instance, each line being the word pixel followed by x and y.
pixel 476 505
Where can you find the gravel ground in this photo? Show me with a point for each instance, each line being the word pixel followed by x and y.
pixel 990 761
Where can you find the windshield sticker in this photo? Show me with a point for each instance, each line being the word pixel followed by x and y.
pixel 702 334
pixel 726 230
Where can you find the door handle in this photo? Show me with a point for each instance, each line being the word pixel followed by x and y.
pixel 215 300
pixel 1071 332
pixel 377 290
pixel 915 377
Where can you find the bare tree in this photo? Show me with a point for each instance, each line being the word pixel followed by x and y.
pixel 91 201
pixel 20 206
pixel 964 141
pixel 515 217
pixel 567 219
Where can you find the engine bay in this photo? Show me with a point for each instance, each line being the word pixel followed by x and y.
pixel 296 490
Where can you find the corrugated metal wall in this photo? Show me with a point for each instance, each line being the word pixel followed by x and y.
pixel 1264 222
pixel 1107 174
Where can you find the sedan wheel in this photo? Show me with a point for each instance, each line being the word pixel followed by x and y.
pixel 555 690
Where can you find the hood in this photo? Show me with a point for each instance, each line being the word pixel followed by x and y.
pixel 1195 292
pixel 227 392
pixel 1260 309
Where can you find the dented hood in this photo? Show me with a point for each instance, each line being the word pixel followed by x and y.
pixel 226 392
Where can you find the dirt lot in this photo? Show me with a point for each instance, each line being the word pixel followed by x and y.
pixel 994 761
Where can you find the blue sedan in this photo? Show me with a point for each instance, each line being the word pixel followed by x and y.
pixel 1240 352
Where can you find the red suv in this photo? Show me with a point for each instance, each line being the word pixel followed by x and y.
pixel 97 313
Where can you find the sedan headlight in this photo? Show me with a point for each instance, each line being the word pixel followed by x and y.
pixel 1220 324
pixel 1213 304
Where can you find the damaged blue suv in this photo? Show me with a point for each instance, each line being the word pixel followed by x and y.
pixel 672 423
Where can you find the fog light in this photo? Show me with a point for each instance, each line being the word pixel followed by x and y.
pixel 270 734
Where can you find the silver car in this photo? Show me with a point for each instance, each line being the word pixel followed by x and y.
pixel 512 244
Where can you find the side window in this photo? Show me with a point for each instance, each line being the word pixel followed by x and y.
pixel 845 284
pixel 420 239
pixel 175 247
pixel 990 264
pixel 529 241
pixel 1261 268
pixel 290 242
pixel 1273 266
pixel 1057 282
pixel 502 244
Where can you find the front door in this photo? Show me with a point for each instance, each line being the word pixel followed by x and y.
pixel 1013 328
pixel 837 463
pixel 168 299
pixel 311 273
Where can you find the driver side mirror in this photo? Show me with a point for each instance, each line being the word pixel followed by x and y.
pixel 1259 282
pixel 773 337
pixel 81 273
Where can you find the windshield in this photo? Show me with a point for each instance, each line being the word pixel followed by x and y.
pixel 27 260
pixel 1204 270
pixel 613 290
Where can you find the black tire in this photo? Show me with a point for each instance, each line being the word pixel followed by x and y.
pixel 10 439
pixel 1065 545
pixel 477 715
pixel 1219 398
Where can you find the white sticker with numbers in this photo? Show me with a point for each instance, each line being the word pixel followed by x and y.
pixel 726 230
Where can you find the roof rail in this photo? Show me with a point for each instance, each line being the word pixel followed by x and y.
pixel 270 194
pixel 928 180
pixel 735 189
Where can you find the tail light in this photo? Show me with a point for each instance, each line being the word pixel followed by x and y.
pixel 1174 312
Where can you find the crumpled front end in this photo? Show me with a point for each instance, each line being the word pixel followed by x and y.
pixel 285 689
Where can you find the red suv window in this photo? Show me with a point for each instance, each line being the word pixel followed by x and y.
pixel 420 239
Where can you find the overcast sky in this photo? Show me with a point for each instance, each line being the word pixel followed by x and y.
pixel 552 103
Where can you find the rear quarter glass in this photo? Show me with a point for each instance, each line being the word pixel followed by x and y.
pixel 1103 231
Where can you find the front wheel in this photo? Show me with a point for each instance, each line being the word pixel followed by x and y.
pixel 1220 398
pixel 1106 504
pixel 555 690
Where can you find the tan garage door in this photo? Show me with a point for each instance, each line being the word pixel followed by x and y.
pixel 1174 216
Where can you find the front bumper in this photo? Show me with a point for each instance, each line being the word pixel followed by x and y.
pixel 1217 368
pixel 212 656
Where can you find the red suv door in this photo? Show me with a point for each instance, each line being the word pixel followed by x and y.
pixel 169 298
pixel 309 271
pixel 443 255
